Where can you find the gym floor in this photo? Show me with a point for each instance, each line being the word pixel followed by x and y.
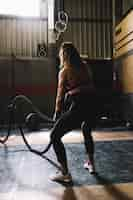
pixel 24 175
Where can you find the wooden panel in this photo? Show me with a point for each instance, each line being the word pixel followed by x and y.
pixel 123 50
pixel 124 27
pixel 127 74
pixel 124 36
pixel 125 41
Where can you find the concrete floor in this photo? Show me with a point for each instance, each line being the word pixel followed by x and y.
pixel 25 176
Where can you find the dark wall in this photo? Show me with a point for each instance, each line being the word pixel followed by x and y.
pixel 34 78
pixel 109 97
pixel 102 74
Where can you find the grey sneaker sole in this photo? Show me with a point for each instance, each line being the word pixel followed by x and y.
pixel 61 178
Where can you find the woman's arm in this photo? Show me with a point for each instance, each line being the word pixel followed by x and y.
pixel 61 90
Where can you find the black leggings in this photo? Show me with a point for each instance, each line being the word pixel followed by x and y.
pixel 80 112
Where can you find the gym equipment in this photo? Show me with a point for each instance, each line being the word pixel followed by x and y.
pixel 32 122
pixel 12 108
pixel 61 24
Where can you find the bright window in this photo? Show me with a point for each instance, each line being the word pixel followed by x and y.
pixel 29 8
pixel 51 13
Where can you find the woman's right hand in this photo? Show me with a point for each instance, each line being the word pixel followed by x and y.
pixel 56 116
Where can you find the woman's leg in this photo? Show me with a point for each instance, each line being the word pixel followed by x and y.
pixel 66 123
pixel 88 141
pixel 58 146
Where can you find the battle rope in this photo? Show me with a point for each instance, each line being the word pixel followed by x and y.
pixel 27 100
pixel 9 127
pixel 12 107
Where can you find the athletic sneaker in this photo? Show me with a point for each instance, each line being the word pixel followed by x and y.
pixel 89 167
pixel 59 177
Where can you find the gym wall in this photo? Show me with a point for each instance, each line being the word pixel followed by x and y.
pixel 90 27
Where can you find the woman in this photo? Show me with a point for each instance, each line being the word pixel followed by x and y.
pixel 75 88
